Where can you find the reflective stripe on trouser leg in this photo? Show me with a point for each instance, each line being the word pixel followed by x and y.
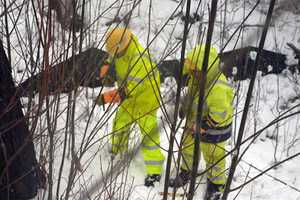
pixel 213 153
pixel 151 151
pixel 120 135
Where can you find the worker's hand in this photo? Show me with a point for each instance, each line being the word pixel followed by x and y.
pixel 103 71
pixel 107 75
pixel 192 130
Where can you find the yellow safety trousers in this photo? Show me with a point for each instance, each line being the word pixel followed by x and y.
pixel 150 146
pixel 211 154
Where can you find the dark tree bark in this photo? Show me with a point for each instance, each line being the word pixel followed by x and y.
pixel 20 175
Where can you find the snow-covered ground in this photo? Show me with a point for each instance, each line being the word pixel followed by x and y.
pixel 272 97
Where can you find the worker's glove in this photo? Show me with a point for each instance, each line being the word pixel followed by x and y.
pixel 112 96
pixel 107 74
pixel 201 131
pixel 207 123
pixel 192 129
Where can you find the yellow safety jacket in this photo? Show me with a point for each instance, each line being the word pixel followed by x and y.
pixel 139 77
pixel 217 109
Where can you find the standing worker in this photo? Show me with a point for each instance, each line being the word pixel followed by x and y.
pixel 138 95
pixel 216 121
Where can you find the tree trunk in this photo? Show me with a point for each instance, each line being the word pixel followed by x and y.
pixel 19 171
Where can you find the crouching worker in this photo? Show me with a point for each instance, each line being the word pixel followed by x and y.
pixel 216 121
pixel 138 95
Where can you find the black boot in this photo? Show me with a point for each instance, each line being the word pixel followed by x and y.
pixel 151 179
pixel 182 179
pixel 213 191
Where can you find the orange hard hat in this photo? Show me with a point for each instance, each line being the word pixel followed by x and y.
pixel 117 40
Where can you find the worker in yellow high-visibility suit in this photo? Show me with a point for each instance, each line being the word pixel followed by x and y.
pixel 216 121
pixel 138 94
